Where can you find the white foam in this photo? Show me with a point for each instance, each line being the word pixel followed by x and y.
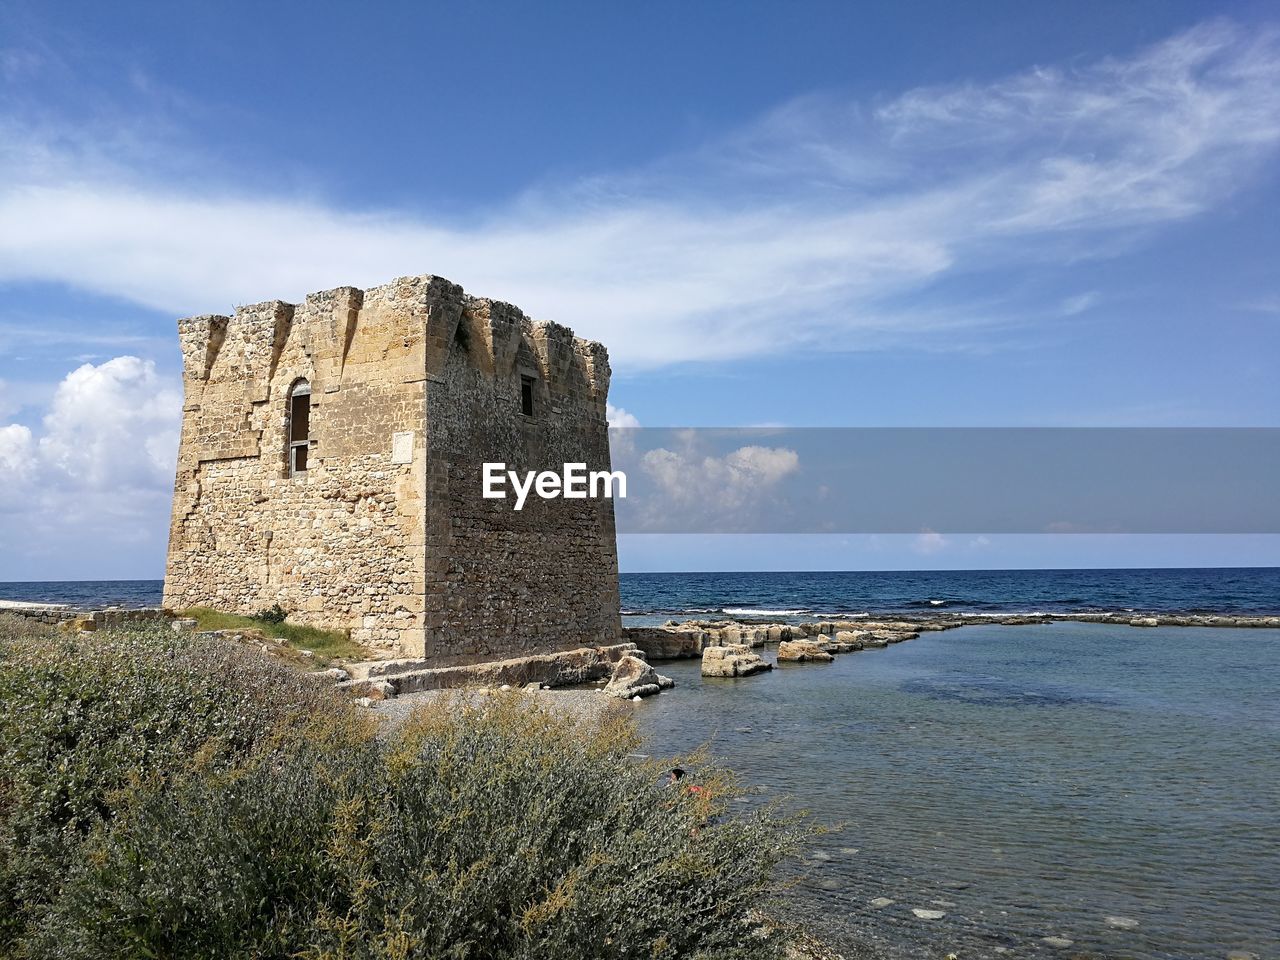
pixel 753 612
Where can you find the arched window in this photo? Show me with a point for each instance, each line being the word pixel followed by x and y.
pixel 299 426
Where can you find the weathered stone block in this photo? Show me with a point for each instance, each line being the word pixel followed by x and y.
pixel 803 651
pixel 734 660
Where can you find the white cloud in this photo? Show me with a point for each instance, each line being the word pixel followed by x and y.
pixel 799 231
pixel 929 543
pixel 619 419
pixel 710 493
pixel 113 425
pixel 17 464
pixel 98 474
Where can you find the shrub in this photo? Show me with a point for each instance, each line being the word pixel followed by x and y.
pixel 87 721
pixel 496 831
pixel 272 614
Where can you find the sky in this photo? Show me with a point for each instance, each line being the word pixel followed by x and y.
pixel 807 214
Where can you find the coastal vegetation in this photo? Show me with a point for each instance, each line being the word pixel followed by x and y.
pixel 175 796
pixel 272 623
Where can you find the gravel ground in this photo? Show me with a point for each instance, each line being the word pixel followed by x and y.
pixel 588 705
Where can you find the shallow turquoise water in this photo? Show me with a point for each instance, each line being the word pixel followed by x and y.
pixel 1035 780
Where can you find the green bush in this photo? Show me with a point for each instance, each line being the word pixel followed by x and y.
pixel 87 720
pixel 210 819
pixel 272 614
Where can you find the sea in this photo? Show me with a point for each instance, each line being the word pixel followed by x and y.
pixel 650 597
pixel 1056 790
pixel 656 597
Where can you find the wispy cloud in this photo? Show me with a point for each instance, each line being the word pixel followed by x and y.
pixel 1078 304
pixel 813 226
pixel 1269 305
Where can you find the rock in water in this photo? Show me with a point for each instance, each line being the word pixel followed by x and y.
pixel 732 660
pixel 1122 923
pixel 928 914
pixel 837 645
pixel 803 651
pixel 850 638
pixel 633 677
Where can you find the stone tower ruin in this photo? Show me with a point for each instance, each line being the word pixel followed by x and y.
pixel 331 462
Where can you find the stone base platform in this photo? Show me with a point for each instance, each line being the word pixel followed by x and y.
pixel 388 678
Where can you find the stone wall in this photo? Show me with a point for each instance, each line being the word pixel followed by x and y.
pixel 53 615
pixel 502 582
pixel 385 532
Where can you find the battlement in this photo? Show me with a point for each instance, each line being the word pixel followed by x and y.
pixel 412 321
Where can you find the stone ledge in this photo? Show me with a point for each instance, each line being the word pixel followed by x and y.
pixel 395 677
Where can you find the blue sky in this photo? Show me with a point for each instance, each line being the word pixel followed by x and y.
pixel 809 214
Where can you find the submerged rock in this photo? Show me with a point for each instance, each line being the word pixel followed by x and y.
pixel 928 914
pixel 1122 923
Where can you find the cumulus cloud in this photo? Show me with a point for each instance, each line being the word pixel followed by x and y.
pixel 619 419
pixel 98 469
pixel 113 425
pixel 16 465
pixel 709 493
pixel 811 226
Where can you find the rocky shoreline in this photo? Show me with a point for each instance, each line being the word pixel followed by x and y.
pixel 727 648
pixel 675 640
